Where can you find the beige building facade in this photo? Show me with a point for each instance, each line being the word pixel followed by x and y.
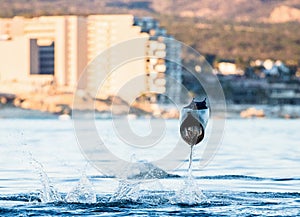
pixel 18 59
pixel 108 73
pixel 67 33
pixel 61 48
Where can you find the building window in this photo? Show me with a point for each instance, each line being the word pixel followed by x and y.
pixel 46 59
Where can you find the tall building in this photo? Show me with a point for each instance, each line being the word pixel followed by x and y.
pixel 165 71
pixel 58 49
pixel 104 33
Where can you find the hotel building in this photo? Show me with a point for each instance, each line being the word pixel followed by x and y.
pixel 165 69
pixel 57 49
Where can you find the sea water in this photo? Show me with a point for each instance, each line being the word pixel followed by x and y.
pixel 254 173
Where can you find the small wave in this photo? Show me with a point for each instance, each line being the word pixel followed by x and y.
pixel 22 197
pixel 276 194
pixel 243 177
pixel 156 203
pixel 285 179
pixel 148 170
pixel 102 177
pixel 230 177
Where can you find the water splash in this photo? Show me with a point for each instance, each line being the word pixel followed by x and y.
pixel 190 169
pixel 144 170
pixel 190 193
pixel 127 190
pixel 139 175
pixel 48 193
pixel 83 192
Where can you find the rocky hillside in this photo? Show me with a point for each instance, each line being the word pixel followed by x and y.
pixel 283 14
pixel 237 10
pixel 233 29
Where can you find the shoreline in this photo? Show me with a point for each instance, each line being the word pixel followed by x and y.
pixel 9 111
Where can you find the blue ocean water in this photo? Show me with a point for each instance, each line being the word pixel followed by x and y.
pixel 254 173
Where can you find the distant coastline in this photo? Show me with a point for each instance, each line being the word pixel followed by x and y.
pixel 9 111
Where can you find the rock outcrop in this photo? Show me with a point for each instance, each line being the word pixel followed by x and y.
pixel 283 14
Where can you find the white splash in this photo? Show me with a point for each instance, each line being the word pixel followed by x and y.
pixel 127 190
pixel 48 193
pixel 83 192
